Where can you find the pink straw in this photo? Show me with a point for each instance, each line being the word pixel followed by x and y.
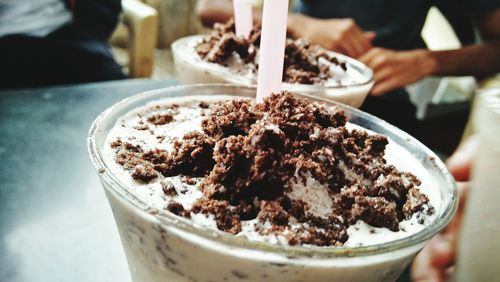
pixel 243 17
pixel 272 48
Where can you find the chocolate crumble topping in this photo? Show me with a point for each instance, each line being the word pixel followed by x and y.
pixel 250 157
pixel 176 208
pixel 226 217
pixel 232 118
pixel 204 105
pixel 302 59
pixel 169 189
pixel 273 212
pixel 161 119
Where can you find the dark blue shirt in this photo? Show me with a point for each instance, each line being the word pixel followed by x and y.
pixel 397 23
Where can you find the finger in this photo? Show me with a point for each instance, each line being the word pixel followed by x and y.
pixel 383 73
pixel 461 170
pixel 369 35
pixel 380 76
pixel 442 252
pixel 463 191
pixel 379 61
pixel 422 269
pixel 368 58
pixel 349 48
pixel 366 41
pixel 377 58
pixel 335 45
pixel 461 161
pixel 361 44
pixel 340 48
pixel 428 275
pixel 358 48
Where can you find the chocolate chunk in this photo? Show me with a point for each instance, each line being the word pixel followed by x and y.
pixel 169 189
pixel 227 218
pixel 273 212
pixel 192 156
pixel 161 119
pixel 377 212
pixel 204 105
pixel 141 126
pixel 376 145
pixel 301 66
pixel 144 173
pixel 176 208
pixel 230 118
pixel 247 210
pixel 222 50
pixel 132 148
pixel 299 76
pixel 415 202
pixel 116 143
pixel 189 180
pixel 295 208
pixel 246 165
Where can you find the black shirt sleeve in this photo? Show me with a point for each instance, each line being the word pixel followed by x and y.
pixel 97 18
pixel 478 8
pixel 92 19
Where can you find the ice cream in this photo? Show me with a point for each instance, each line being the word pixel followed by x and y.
pixel 285 172
pixel 305 63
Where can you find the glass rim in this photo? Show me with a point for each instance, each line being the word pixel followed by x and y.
pixel 172 221
pixel 228 76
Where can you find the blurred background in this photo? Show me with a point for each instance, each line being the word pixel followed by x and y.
pixel 146 31
pixel 141 44
pixel 51 203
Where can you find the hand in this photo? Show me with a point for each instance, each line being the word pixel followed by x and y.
pixel 435 262
pixel 395 69
pixel 460 162
pixel 339 35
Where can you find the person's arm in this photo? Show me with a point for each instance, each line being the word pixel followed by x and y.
pixel 480 59
pixel 340 35
pixel 219 11
pixel 92 19
pixel 395 69
pixel 214 11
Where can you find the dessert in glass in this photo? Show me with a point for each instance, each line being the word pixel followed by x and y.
pixel 207 185
pixel 310 70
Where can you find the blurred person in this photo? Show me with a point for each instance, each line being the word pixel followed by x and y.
pixel 386 35
pixel 435 262
pixel 47 42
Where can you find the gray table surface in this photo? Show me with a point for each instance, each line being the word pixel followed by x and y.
pixel 55 222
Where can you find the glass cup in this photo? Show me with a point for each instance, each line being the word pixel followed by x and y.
pixel 478 249
pixel 191 69
pixel 163 247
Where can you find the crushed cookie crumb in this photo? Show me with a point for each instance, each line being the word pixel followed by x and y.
pixel 161 119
